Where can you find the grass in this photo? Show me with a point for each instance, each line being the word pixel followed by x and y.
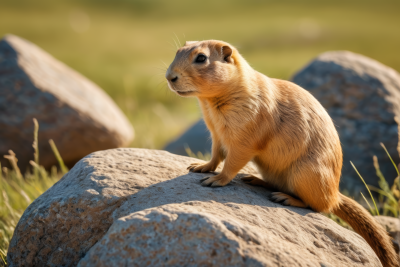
pixel 369 191
pixel 388 196
pixel 17 191
pixel 199 155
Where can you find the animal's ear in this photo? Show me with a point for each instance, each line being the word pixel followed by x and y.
pixel 190 43
pixel 227 53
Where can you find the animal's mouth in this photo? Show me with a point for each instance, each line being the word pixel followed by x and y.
pixel 181 93
pixel 184 92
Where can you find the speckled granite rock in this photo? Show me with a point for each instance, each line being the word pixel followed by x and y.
pixel 140 207
pixel 362 96
pixel 198 233
pixel 70 109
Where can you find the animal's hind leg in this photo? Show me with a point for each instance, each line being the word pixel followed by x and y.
pixel 253 180
pixel 276 196
pixel 287 200
pixel 318 192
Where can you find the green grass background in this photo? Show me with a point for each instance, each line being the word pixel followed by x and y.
pixel 122 44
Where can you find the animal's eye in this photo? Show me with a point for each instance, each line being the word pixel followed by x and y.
pixel 200 58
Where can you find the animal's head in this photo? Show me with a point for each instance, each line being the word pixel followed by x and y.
pixel 202 69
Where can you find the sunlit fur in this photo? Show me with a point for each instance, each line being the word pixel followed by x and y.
pixel 276 124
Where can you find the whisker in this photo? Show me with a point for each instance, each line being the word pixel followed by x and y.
pixel 164 64
pixel 179 42
pixel 159 68
pixel 160 85
pixel 177 47
pixel 158 74
pixel 172 45
pixel 158 71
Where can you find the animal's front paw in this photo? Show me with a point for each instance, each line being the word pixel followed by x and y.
pixel 201 167
pixel 215 181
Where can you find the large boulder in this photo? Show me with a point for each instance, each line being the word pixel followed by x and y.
pixel 70 109
pixel 137 207
pixel 362 96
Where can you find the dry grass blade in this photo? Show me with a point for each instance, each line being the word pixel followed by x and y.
pixel 63 168
pixel 13 161
pixel 3 256
pixel 398 133
pixel 18 189
pixel 370 208
pixel 390 158
pixel 382 181
pixel 395 189
pixel 199 155
pixel 35 144
pixel 382 192
pixel 377 211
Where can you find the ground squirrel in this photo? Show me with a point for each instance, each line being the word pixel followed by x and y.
pixel 276 124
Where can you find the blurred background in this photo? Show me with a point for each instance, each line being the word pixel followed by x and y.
pixel 125 45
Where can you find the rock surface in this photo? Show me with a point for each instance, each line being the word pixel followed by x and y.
pixel 392 225
pixel 362 96
pixel 70 109
pixel 137 207
pixel 197 138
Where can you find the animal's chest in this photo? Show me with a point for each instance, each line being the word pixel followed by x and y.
pixel 226 134
pixel 224 125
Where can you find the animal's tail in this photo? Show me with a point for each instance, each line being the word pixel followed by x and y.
pixel 366 226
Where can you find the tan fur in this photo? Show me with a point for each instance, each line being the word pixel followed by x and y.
pixel 276 124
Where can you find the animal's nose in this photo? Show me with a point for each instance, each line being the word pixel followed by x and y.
pixel 171 76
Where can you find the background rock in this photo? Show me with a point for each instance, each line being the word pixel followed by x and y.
pixel 197 138
pixel 392 225
pixel 362 96
pixel 159 214
pixel 70 109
